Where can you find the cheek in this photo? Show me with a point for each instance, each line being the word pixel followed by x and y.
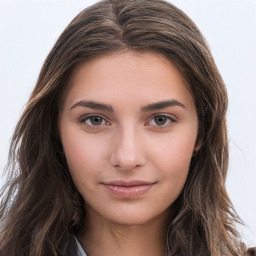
pixel 174 175
pixel 173 157
pixel 84 157
pixel 175 149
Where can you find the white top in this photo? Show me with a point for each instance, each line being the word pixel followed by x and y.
pixel 80 249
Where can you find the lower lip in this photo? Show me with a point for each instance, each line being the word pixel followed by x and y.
pixel 128 192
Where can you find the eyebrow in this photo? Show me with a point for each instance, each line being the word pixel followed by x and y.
pixel 109 108
pixel 93 105
pixel 162 104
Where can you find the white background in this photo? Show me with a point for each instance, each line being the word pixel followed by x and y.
pixel 28 30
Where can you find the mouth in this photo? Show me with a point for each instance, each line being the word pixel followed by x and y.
pixel 128 189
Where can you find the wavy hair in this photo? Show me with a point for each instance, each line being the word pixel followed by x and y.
pixel 42 210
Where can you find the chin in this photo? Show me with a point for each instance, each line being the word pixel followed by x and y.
pixel 134 218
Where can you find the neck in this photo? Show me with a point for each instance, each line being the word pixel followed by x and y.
pixel 124 240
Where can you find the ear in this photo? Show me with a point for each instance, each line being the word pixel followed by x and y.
pixel 198 145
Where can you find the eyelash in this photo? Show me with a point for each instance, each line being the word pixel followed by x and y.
pixel 168 121
pixel 85 118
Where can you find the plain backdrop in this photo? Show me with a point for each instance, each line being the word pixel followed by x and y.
pixel 28 30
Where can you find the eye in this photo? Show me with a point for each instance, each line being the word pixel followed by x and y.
pixel 161 120
pixel 93 120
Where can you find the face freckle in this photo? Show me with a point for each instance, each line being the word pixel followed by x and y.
pixel 128 126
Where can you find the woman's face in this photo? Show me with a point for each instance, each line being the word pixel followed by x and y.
pixel 128 126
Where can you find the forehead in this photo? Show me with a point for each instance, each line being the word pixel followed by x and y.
pixel 129 74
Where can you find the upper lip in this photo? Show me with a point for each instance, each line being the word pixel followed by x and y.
pixel 131 183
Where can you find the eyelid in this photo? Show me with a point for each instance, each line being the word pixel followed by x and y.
pixel 168 116
pixel 85 117
pixel 172 119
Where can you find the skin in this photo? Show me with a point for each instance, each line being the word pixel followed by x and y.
pixel 131 138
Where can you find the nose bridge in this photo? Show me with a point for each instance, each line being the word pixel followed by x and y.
pixel 128 149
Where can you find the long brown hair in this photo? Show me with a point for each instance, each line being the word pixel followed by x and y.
pixel 42 210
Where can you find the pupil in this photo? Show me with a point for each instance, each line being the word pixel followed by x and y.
pixel 160 120
pixel 96 120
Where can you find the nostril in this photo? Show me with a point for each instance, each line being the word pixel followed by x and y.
pixel 126 167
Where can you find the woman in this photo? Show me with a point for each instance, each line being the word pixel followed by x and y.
pixel 122 148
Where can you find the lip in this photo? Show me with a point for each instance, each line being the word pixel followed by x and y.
pixel 128 189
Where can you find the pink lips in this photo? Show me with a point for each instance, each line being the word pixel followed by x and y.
pixel 129 189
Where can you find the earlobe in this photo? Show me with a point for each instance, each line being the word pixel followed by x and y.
pixel 197 146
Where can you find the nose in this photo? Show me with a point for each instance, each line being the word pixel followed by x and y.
pixel 128 150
